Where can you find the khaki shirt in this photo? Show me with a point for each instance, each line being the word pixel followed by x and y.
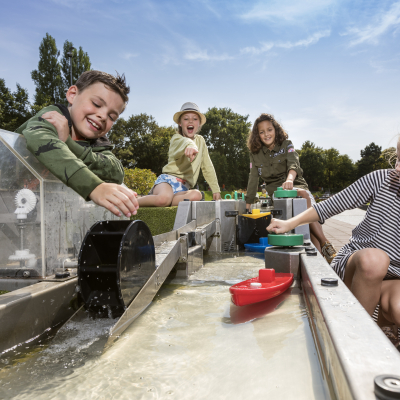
pixel 273 166
pixel 180 166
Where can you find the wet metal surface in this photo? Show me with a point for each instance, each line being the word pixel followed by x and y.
pixel 191 343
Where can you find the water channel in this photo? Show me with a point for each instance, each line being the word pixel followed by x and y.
pixel 191 343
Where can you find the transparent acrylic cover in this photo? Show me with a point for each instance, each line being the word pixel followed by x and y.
pixel 42 221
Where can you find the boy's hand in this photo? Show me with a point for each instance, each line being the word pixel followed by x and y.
pixel 279 226
pixel 59 122
pixel 115 198
pixel 190 152
pixel 288 185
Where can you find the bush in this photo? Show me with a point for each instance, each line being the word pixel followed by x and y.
pixel 139 180
pixel 158 219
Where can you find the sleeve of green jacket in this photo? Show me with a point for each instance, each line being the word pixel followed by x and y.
pixel 102 163
pixel 252 184
pixel 42 140
pixel 292 159
pixel 209 171
pixel 178 145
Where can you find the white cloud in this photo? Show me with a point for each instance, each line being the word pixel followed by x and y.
pixel 265 47
pixel 286 10
pixel 383 23
pixel 202 55
pixel 128 56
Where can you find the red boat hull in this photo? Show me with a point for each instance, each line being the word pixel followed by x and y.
pixel 272 285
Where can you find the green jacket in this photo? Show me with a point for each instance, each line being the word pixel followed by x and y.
pixel 81 165
pixel 180 166
pixel 273 167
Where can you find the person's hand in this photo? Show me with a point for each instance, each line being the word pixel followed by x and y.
pixel 279 226
pixel 115 198
pixel 288 185
pixel 59 122
pixel 217 196
pixel 191 153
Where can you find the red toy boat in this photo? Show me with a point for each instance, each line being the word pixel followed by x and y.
pixel 267 285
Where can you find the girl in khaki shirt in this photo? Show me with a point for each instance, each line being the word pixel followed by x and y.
pixel 187 154
pixel 274 158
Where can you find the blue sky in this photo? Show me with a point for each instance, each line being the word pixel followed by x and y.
pixel 327 69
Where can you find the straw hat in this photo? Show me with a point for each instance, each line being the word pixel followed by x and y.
pixel 190 107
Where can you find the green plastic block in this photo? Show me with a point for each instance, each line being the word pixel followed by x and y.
pixel 286 240
pixel 280 192
pixel 158 219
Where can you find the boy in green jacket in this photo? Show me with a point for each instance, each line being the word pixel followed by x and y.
pixel 71 143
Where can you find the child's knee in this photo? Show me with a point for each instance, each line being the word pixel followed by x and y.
pixel 195 195
pixel 163 200
pixel 373 263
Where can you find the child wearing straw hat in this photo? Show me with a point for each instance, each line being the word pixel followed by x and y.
pixel 187 154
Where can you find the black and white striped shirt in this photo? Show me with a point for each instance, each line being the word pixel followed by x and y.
pixel 380 227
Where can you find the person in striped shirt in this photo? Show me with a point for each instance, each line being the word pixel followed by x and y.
pixel 369 264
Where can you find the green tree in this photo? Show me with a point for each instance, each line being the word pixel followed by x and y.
pixel 345 172
pixel 312 162
pixel 14 107
pixel 370 159
pixel 225 134
pixel 80 63
pixel 141 143
pixel 47 77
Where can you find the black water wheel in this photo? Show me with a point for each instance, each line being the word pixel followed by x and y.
pixel 115 261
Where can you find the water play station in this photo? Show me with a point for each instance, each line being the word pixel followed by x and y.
pixel 214 308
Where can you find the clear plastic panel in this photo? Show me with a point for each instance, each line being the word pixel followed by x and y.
pixel 20 235
pixel 32 242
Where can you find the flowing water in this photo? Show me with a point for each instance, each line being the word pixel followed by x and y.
pixel 191 343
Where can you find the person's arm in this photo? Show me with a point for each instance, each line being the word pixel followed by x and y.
pixel 292 159
pixel 42 140
pixel 179 144
pixel 283 226
pixel 252 183
pixel 209 173
pixel 355 195
pixel 288 184
pixel 102 163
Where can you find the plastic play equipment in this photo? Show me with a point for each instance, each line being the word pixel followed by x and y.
pixel 286 239
pixel 228 196
pixel 258 247
pixel 267 285
pixel 252 227
pixel 280 192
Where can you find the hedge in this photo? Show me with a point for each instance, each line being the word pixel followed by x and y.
pixel 158 219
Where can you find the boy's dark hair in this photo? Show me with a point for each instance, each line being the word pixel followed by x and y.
pixel 254 142
pixel 116 83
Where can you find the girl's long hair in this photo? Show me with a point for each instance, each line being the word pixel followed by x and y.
pixel 254 142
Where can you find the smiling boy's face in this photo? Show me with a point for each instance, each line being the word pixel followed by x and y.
pixel 93 110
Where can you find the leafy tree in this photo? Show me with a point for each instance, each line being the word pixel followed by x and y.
pixel 47 78
pixel 141 143
pixel 345 172
pixel 14 107
pixel 312 162
pixel 225 134
pixel 370 159
pixel 80 63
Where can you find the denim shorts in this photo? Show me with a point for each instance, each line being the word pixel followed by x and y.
pixel 177 184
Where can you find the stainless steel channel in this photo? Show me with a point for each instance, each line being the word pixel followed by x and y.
pixel 352 348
